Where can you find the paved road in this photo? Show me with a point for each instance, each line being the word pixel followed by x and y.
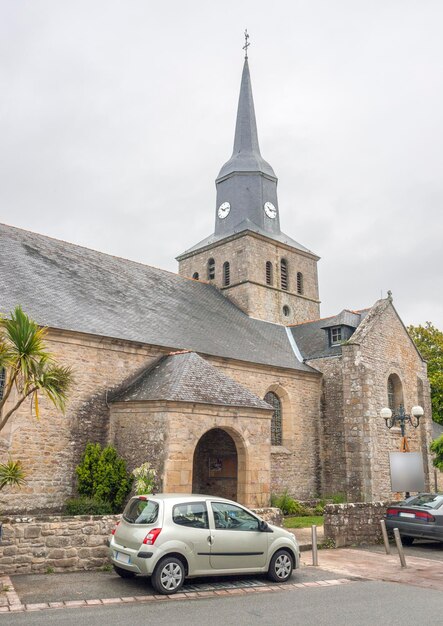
pixel 34 588
pixel 362 603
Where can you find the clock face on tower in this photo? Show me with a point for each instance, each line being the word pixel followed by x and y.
pixel 223 210
pixel 270 210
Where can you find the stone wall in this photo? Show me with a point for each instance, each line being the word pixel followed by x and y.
pixel 50 447
pixel 184 424
pixel 354 441
pixel 332 469
pixel 36 545
pixel 247 256
pixel 294 465
pixel 354 524
pixel 42 544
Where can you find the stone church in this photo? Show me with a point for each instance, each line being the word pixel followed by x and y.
pixel 223 376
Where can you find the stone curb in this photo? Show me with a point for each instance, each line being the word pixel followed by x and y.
pixel 14 604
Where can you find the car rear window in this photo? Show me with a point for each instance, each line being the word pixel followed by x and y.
pixel 141 511
pixel 428 500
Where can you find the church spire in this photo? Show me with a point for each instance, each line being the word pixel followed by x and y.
pixel 246 156
pixel 246 184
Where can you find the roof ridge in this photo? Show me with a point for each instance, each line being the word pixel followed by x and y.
pixel 329 317
pixel 178 379
pixel 106 254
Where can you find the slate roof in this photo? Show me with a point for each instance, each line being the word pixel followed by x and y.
pixel 311 337
pixel 186 377
pixel 68 287
pixel 246 156
pixel 244 226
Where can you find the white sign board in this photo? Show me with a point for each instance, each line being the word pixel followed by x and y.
pixel 407 472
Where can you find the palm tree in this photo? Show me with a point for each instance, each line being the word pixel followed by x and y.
pixel 29 367
pixel 11 473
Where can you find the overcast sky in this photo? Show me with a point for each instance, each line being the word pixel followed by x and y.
pixel 116 116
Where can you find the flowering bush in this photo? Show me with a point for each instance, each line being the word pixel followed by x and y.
pixel 144 479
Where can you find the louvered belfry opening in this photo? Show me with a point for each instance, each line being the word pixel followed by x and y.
pixel 226 274
pixel 269 277
pixel 276 421
pixel 299 282
pixel 211 269
pixel 284 274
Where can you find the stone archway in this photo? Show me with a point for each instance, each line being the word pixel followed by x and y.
pixel 215 465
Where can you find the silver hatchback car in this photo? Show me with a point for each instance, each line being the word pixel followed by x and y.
pixel 170 537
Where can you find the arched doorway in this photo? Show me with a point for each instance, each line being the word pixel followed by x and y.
pixel 215 465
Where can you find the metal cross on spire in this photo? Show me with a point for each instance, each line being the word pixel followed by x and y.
pixel 247 44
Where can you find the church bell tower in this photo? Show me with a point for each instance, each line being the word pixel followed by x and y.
pixel 263 271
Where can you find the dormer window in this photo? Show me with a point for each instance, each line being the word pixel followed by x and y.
pixel 211 269
pixel 195 276
pixel 336 335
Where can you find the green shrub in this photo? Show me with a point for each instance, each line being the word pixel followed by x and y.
pixel 339 498
pixel 102 475
pixel 289 506
pixel 87 470
pixel 319 509
pixel 87 506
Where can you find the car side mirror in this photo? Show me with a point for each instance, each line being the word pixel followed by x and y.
pixel 263 526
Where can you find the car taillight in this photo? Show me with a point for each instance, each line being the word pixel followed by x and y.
pixel 152 535
pixel 392 512
pixel 115 528
pixel 426 516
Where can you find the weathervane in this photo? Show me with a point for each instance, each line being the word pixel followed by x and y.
pixel 247 44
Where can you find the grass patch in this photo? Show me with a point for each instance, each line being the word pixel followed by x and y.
pixel 303 522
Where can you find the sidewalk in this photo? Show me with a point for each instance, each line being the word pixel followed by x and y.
pixel 419 572
pixel 304 537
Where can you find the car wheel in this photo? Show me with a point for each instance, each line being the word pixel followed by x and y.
pixel 407 541
pixel 124 573
pixel 281 566
pixel 168 576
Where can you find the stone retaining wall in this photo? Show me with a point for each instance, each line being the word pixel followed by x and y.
pixel 46 543
pixel 65 544
pixel 354 524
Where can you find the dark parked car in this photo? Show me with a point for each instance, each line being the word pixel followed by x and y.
pixel 417 517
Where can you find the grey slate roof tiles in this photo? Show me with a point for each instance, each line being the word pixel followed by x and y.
pixel 68 287
pixel 186 377
pixel 312 339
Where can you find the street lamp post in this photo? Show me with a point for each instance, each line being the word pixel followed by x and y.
pixel 401 418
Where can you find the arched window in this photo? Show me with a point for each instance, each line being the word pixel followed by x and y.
pixel 299 282
pixel 276 421
pixel 269 276
pixel 211 269
pixel 226 274
pixel 395 392
pixel 284 274
pixel 286 310
pixel 195 276
pixel 2 381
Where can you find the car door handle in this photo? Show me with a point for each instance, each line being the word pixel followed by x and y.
pixel 210 540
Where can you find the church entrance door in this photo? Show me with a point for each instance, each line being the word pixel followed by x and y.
pixel 215 465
